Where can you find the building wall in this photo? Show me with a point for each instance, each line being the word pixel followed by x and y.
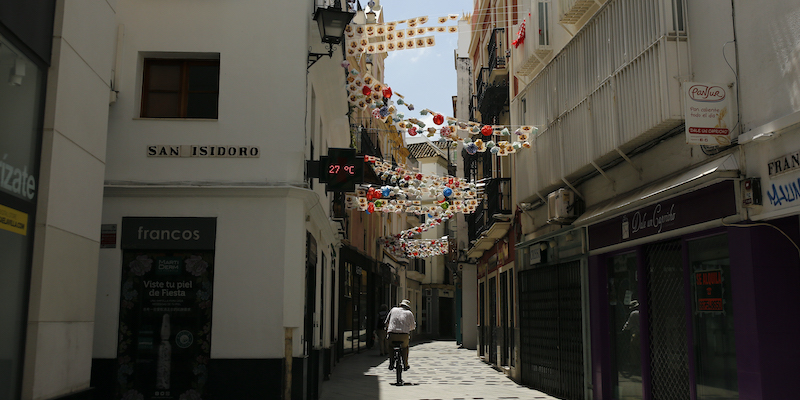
pixel 59 332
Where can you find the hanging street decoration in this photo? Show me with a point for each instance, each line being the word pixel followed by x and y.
pixel 438 198
pixel 367 93
pixel 404 190
pixel 419 248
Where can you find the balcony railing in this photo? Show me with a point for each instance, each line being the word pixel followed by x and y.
pixel 497 54
pixel 492 96
pixel 497 200
pixel 627 96
pixel 368 142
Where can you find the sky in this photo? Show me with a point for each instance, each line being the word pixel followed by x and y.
pixel 425 77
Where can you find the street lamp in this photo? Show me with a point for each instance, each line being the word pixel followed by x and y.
pixel 331 21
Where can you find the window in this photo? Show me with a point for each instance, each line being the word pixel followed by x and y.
pixel 179 88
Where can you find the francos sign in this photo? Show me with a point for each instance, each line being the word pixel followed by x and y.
pixel 179 233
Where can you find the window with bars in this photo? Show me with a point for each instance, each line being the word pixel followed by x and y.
pixel 180 88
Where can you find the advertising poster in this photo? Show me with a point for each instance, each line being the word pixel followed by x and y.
pixel 708 114
pixel 164 325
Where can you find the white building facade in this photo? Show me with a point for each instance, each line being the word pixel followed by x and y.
pixel 650 229
pixel 166 240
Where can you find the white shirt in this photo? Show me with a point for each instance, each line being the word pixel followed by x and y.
pixel 400 320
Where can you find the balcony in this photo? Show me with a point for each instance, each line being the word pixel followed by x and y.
pixel 535 50
pixel 497 202
pixel 492 97
pixel 592 112
pixel 368 142
pixel 496 51
pixel 574 10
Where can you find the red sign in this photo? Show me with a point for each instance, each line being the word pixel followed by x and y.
pixel 709 291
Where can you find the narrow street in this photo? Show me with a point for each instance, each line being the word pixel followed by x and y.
pixel 439 371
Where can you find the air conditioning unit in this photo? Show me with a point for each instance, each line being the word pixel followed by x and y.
pixel 561 207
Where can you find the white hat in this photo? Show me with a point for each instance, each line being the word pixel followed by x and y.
pixel 405 303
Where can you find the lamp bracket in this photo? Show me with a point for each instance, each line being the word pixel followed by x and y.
pixel 314 57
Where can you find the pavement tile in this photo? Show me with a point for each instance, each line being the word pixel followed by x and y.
pixel 439 371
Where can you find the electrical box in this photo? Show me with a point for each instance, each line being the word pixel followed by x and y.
pixel 751 192
pixel 561 207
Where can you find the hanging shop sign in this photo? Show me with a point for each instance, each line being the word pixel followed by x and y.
pixel 709 291
pixel 708 114
pixel 702 205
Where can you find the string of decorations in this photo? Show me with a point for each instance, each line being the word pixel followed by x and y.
pixel 365 92
pixel 412 192
pixel 419 248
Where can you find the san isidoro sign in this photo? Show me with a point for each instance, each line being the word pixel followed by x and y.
pixel 702 205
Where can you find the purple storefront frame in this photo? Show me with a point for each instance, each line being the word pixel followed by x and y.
pixel 767 354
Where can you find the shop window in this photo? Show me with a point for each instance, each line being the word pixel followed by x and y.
pixel 623 299
pixel 180 88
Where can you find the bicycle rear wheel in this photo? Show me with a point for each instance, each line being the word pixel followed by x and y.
pixel 398 367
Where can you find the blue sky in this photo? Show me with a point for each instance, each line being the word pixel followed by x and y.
pixel 425 77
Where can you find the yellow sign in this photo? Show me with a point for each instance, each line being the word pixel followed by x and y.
pixel 13 220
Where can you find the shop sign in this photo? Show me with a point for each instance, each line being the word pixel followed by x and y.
pixel 782 165
pixel 536 254
pixel 15 180
pixel 13 220
pixel 180 233
pixel 709 291
pixel 702 205
pixel 708 117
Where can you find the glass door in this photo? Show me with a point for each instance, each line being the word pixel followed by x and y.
pixel 712 309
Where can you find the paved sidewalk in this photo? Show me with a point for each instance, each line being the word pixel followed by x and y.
pixel 439 371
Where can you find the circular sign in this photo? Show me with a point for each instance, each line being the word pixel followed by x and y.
pixel 184 339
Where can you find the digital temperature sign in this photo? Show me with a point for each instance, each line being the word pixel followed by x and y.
pixel 341 169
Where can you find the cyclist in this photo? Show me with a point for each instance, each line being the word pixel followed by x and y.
pixel 399 323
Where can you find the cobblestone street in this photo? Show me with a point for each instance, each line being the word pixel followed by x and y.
pixel 439 371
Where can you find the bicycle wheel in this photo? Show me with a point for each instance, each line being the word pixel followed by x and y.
pixel 398 367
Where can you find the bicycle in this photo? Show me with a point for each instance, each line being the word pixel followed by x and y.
pixel 396 362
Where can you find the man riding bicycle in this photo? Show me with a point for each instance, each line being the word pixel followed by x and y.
pixel 399 323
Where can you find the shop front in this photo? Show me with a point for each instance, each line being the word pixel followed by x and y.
pixel 357 301
pixel 676 301
pixel 24 57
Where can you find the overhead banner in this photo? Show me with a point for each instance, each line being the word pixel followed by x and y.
pixel 708 114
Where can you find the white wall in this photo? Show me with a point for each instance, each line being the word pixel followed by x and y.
pixel 262 102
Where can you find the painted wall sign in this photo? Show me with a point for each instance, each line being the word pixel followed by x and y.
pixel 709 291
pixel 782 165
pixel 204 151
pixel 180 233
pixel 702 205
pixel 708 114
pixel 13 220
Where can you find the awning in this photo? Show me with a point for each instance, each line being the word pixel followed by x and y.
pixel 488 239
pixel 722 168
